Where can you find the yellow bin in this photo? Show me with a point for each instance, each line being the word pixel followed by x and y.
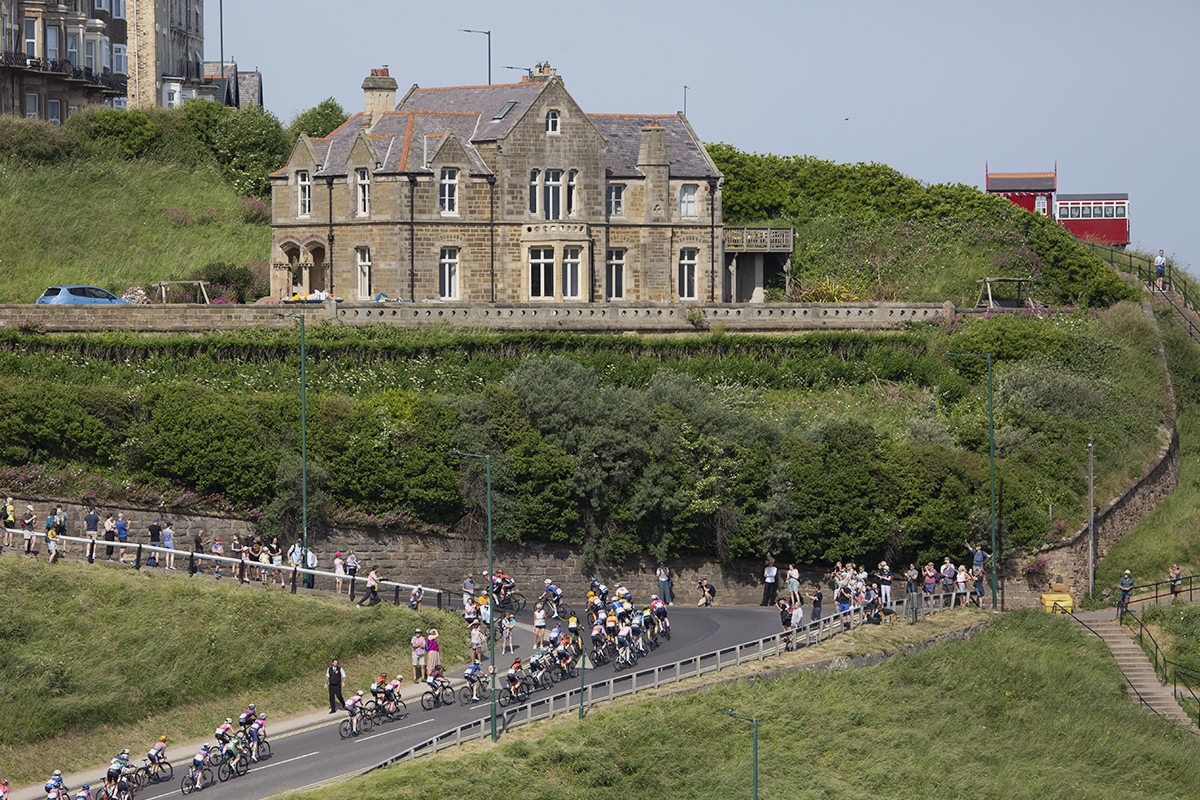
pixel 1065 603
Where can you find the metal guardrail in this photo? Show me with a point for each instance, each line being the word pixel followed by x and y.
pixel 1174 280
pixel 1164 668
pixel 637 680
pixel 1159 591
pixel 442 597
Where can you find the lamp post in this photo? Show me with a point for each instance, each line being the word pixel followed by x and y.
pixel 753 720
pixel 303 444
pixel 329 236
pixel 991 458
pixel 489 35
pixel 712 241
pixel 491 595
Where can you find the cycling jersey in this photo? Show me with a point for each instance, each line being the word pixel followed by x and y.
pixel 157 751
pixel 352 704
pixel 224 732
pixel 257 729
pixel 199 759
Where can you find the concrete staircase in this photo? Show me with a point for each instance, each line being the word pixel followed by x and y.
pixel 1136 666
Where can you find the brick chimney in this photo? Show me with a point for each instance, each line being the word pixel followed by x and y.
pixel 653 162
pixel 542 72
pixel 379 95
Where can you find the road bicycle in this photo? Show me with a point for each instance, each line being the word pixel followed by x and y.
pixel 483 693
pixel 513 601
pixel 442 696
pixel 148 773
pixel 382 711
pixel 195 781
pixel 560 673
pixel 234 766
pixel 513 694
pixel 365 723
pixel 625 659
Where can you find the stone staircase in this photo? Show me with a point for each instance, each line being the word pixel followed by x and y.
pixel 1136 667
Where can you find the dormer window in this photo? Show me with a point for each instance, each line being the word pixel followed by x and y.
pixel 364 192
pixel 551 122
pixel 448 192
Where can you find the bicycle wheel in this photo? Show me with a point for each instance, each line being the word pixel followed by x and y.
pixel 573 671
pixel 546 681
pixel 506 697
pixel 517 600
pixel 667 632
pixel 522 692
pixel 400 710
pixel 188 784
pixel 447 696
pixel 215 759
pixel 206 778
pixel 346 729
pixel 264 750
pixel 365 724
pixel 242 765
pixel 529 684
pixel 165 772
pixel 428 701
pixel 225 771
pixel 565 611
pixel 464 695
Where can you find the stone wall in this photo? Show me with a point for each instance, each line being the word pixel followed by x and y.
pixel 648 318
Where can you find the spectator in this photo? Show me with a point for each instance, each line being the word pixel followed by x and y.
pixel 155 530
pixel 910 580
pixel 335 676
pixel 507 623
pixel 769 588
pixel 198 545
pixel 664 582
pixel 122 535
pixel 310 580
pixel 110 535
pixel 1160 269
pixel 539 625
pixel 793 584
pixel 884 573
pixel 339 571
pixel 433 654
pixel 275 551
pixel 798 612
pixel 817 598
pixel 372 589
pixel 1125 587
pixel 978 557
pixel 10 522
pixel 468 590
pixel 91 524
pixel 949 575
pixel 960 586
pixel 785 614
pixel 418 644
pixel 415 597
pixel 168 539
pixel 218 550
pixel 706 592
pixel 28 521
pixel 930 582
pixel 1175 576
pixel 477 641
pixel 979 586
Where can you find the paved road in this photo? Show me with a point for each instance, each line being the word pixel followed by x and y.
pixel 307 750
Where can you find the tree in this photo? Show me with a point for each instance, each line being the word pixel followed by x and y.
pixel 250 144
pixel 320 120
pixel 284 515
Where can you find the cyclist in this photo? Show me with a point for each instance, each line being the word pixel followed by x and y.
pixel 507 584
pixel 391 692
pixel 562 653
pixel 474 676
pixel 624 639
pixel 198 762
pixel 555 635
pixel 623 594
pixel 573 625
pixel 352 708
pixel 611 625
pixel 84 793
pixel 257 731
pixel 379 687
pixel 600 590
pixel 635 631
pixel 118 771
pixel 158 753
pixel 247 717
pixel 553 596
pixel 514 675
pixel 649 621
pixel 594 606
pixel 538 665
pixel 224 731
pixel 55 784
pixel 433 679
pixel 660 611
pixel 599 639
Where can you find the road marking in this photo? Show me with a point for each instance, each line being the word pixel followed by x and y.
pixel 255 769
pixel 393 730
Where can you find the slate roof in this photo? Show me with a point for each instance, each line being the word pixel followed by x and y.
pixel 1100 196
pixel 484 101
pixel 418 134
pixel 624 135
pixel 249 88
pixel 1021 181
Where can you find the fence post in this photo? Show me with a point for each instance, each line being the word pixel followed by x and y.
pixel 91 551
pixel 294 574
pixel 137 559
pixel 397 600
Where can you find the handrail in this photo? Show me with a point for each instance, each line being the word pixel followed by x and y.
pixel 1144 631
pixel 445 595
pixel 1143 701
pixel 1175 280
pixel 634 681
pixel 1192 590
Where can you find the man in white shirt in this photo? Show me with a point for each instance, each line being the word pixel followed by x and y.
pixel 1160 269
pixel 768 598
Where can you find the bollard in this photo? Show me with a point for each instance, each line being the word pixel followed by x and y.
pixel 137 560
pixel 293 580
pixel 397 601
pixel 192 564
pixel 351 587
pixel 91 550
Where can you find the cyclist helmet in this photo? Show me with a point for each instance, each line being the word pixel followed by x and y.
pixel 228 721
pixel 547 581
pixel 251 706
pixel 125 752
pixel 58 773
pixel 359 693
pixel 162 738
pixel 653 597
pixel 262 716
pixel 86 788
pixel 383 675
pixel 476 661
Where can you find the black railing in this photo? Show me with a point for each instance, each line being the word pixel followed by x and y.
pixel 1168 671
pixel 1173 281
pixel 1156 593
pixel 13 58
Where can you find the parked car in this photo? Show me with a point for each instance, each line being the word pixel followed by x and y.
pixel 80 294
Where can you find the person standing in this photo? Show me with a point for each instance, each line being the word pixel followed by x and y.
pixel 817 598
pixel 198 545
pixel 415 597
pixel 793 584
pixel 110 535
pixel 1160 269
pixel 155 531
pixel 339 571
pixel 168 536
pixel 769 588
pixel 664 582
pixel 1175 576
pixel 218 550
pixel 1125 587
pixel 91 524
pixel 372 589
pixel 335 676
pixel 418 644
pixel 28 520
pixel 275 551
pixel 468 589
pixel 433 655
pixel 10 522
pixel 122 535
pixel 884 574
pixel 310 580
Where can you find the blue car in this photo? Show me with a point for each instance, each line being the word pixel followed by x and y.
pixel 80 294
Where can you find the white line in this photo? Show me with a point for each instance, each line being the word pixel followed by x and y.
pixel 257 769
pixel 393 730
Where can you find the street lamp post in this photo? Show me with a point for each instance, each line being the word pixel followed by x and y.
pixel 991 459
pixel 489 35
pixel 753 720
pixel 303 445
pixel 491 595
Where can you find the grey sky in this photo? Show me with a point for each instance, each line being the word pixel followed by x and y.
pixel 934 89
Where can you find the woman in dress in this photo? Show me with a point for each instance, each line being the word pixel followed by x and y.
pixel 433 656
pixel 793 583
pixel 960 585
pixel 339 570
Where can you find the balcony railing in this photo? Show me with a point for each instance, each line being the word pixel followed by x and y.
pixel 762 240
pixel 111 83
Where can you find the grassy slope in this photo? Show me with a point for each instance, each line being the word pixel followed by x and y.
pixel 1032 708
pixel 93 656
pixel 106 223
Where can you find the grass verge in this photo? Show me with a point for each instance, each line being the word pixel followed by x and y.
pixel 91 656
pixel 1029 708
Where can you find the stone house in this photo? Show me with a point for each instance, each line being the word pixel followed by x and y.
pixel 499 194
